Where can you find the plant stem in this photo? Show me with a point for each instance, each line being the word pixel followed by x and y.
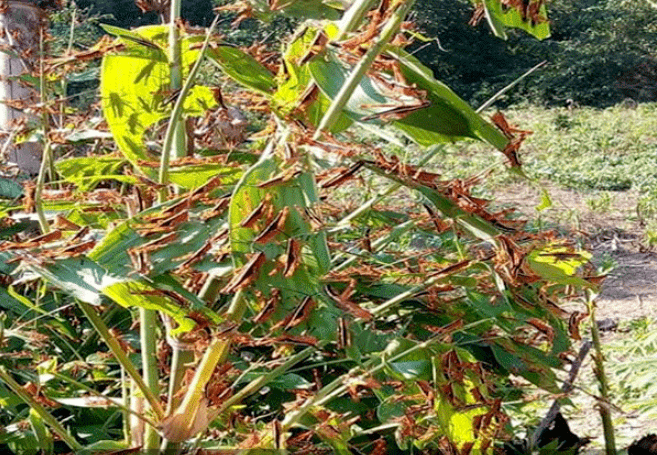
pixel 47 151
pixel 265 379
pixel 147 326
pixel 41 411
pixel 431 153
pixel 347 89
pixel 122 406
pixel 339 386
pixel 173 134
pixel 354 16
pixel 38 190
pixel 599 370
pixel 121 357
pixel 215 353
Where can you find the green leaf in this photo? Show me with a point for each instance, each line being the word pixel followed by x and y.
pixel 501 16
pixel 86 172
pixel 294 83
pixel 299 9
pixel 104 447
pixel 134 37
pixel 546 201
pixel 558 264
pixel 43 436
pixel 243 68
pixel 447 118
pixel 135 88
pixel 291 196
pixel 10 189
pixel 194 176
pixel 528 362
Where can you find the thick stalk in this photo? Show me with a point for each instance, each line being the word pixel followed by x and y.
pixel 147 325
pixel 125 396
pixel 38 190
pixel 174 140
pixel 354 16
pixel 389 31
pixel 41 411
pixel 122 406
pixel 46 157
pixel 121 357
pixel 175 121
pixel 598 359
pixel 185 415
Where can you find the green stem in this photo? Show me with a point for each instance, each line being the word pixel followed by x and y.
pixel 598 359
pixel 431 153
pixel 339 385
pixel 354 17
pixel 389 31
pixel 125 395
pixel 38 190
pixel 121 357
pixel 215 353
pixel 175 129
pixel 261 381
pixel 147 327
pixel 94 392
pixel 41 411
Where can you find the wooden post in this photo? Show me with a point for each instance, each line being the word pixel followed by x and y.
pixel 20 23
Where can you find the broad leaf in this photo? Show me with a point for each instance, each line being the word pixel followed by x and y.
pixel 530 16
pixel 135 89
pixel 10 189
pixel 447 117
pixel 243 68
pixel 286 198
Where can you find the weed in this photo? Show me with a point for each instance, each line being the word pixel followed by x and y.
pixel 602 203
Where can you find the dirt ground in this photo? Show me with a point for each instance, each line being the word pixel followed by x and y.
pixel 628 293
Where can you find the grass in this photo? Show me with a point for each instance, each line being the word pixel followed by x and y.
pixel 614 149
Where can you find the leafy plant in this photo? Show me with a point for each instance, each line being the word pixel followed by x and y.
pixel 277 288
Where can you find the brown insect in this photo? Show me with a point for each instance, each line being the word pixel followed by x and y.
pixel 257 213
pixel 397 113
pixel 343 301
pixel 342 176
pixel 542 327
pixel 277 225
pixel 247 274
pixel 573 324
pixel 269 307
pixel 562 256
pixel 300 314
pixel 140 262
pixel 316 47
pixel 509 131
pixel 45 238
pixel 196 256
pixel 292 257
pixel 344 334
pixel 156 244
pixel 72 251
pixel 281 178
